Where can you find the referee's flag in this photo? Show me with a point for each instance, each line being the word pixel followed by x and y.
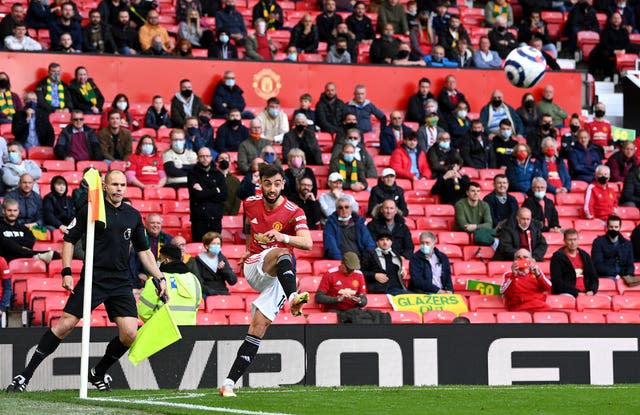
pixel 157 333
pixel 97 214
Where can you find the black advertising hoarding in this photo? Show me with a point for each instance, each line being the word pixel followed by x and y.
pixel 330 355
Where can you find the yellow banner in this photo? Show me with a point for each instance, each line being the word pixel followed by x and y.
pixel 421 303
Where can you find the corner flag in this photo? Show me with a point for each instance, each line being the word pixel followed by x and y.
pixel 157 333
pixel 96 198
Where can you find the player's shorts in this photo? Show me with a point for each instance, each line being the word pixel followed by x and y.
pixel 272 296
pixel 115 292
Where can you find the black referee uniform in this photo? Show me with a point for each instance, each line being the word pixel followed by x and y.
pixel 111 282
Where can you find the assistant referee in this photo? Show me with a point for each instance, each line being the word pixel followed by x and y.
pixel 111 284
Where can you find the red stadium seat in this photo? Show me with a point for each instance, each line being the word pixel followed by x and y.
pixel 550 317
pixel 119 165
pixel 133 192
pixel 623 288
pixel 159 193
pixel 46 302
pixel 630 213
pixel 286 318
pixel 489 303
pixel 41 153
pixel 554 22
pixel 211 319
pixel 574 199
pixel 224 302
pixel 405 317
pixel 322 318
pixel 433 223
pixel 474 252
pixel 378 302
pixel 553 238
pixel 586 41
pixel 233 251
pixel 607 286
pixel 241 286
pixel 489 174
pixel 147 206
pixel 586 238
pixel 452 251
pixel 58 165
pixel 31 266
pixel 55 267
pixel 480 317
pixel 468 268
pixel 438 317
pixel 423 184
pixel 498 268
pixel 176 206
pixel 625 302
pixel 309 284
pixel 303 268
pixel 569 211
pixel 593 302
pixel 441 210
pixel 561 302
pixel 594 225
pixel 625 61
pixel 455 238
pixel 623 317
pixel 101 166
pixel 73 177
pixel 323 265
pixel 232 222
pixel 512 317
pixel 415 209
pixel 239 318
pixel 25 286
pixel 586 317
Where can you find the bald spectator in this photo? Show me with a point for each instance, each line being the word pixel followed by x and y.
pixel 502 41
pixel 393 134
pixel 150 30
pixel 29 201
pixel 330 110
pixel 520 232
pixel 156 236
pixel 525 287
pixel 250 148
pixel 449 96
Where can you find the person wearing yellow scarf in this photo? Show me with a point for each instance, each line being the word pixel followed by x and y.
pixel 53 94
pixel 85 93
pixel 271 12
pixel 9 101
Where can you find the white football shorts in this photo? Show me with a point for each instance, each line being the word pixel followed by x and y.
pixel 272 297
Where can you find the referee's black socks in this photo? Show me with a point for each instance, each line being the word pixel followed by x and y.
pixel 48 344
pixel 286 275
pixel 115 350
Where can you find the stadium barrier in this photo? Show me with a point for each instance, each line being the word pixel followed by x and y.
pixel 330 355
pixel 389 87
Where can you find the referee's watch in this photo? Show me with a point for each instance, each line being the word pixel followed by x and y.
pixel 66 271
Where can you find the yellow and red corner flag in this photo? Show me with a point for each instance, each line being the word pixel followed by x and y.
pixel 94 181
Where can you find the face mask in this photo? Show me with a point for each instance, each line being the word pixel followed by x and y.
pixel 230 82
pixel 255 136
pixel 612 234
pixel 546 126
pixel 444 145
pixel 602 179
pixel 30 105
pixel 296 162
pixel 14 157
pixel 462 114
pixel 426 249
pixel 214 249
pixel 147 149
pixel 539 195
pixel 432 122
pixel 234 123
pixel 574 128
pixel 224 164
pixel 622 5
pixel 4 83
pixel 122 105
pixel 229 8
pixel 262 26
pixel 348 157
pixel 269 158
pixel 178 146
pixel 194 20
pixel 341 219
pixel 496 102
pixel 403 54
pixel 454 26
pixel 529 103
pixel 476 134
pixel 340 51
pixel 351 125
pixel 501 29
pixel 385 251
pixel 224 39
pixel 274 112
pixel 186 93
pixel 55 77
pixel 599 113
pixel 506 134
pixel 192 131
pixel 292 57
pixel 300 128
pixel 157 47
pixel 353 142
pixel 521 155
pixel 549 151
pixel 387 37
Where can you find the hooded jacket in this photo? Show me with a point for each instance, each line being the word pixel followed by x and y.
pixel 382 192
pixel 58 209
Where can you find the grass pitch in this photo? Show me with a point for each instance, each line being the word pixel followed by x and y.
pixel 298 400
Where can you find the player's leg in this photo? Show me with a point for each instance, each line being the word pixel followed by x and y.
pixel 246 353
pixel 280 263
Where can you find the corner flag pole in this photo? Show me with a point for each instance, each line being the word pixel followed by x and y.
pixel 95 212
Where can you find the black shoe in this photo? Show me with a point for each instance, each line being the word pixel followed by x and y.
pixel 102 384
pixel 18 384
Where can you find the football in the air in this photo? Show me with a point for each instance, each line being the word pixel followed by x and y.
pixel 524 66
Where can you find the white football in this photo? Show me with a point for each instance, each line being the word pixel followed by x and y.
pixel 524 66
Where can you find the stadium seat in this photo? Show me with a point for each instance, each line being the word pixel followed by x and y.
pixel 317 252
pixel 586 317
pixel 415 210
pixel 452 251
pixel 498 268
pixel 573 199
pixel 489 303
pixel 441 210
pixel 58 165
pixel 309 284
pixel 438 317
pixel 101 166
pixel 25 286
pixel 630 213
pixel 73 177
pixel 550 317
pixel 211 319
pixel 470 268
pixel 122 166
pixel 593 302
pixel 55 267
pixel 322 318
pixel 625 302
pixel 607 286
pixel 477 253
pixel 433 223
pixel 44 302
pixel 286 318
pixel 303 268
pixel 159 193
pixel 224 302
pixel 561 302
pixel 513 317
pixel 41 153
pixel 148 206
pixel 623 288
pixel 594 225
pixel 178 206
pixel 232 222
pixel 31 266
pixel 554 22
pixel 378 302
pixel 586 238
pixel 405 317
pixel 625 61
pixel 233 251
pixel 455 238
pixel 323 265
pixel 553 238
pixel 586 42
pixel 241 286
pixel 623 317
pixel 133 192
pixel 239 318
pixel 480 317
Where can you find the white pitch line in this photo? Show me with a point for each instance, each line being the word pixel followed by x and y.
pixel 186 406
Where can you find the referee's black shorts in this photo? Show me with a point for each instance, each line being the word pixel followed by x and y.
pixel 109 287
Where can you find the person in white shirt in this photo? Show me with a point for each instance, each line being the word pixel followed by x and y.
pixel 20 40
pixel 328 200
pixel 274 121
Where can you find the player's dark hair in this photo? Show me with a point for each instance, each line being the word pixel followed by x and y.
pixel 269 170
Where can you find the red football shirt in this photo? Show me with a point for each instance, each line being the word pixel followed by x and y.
pixel 576 262
pixel 287 218
pixel 600 132
pixel 334 281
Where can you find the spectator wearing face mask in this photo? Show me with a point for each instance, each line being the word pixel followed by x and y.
pixel 552 168
pixel 274 121
pixel 502 41
pixel 185 104
pixel 178 161
pixel 584 158
pixel 120 104
pixel 304 138
pixel 529 114
pixel 430 268
pixel 497 110
pixel 231 133
pixel 228 95
pixel 146 168
pixel 222 48
pixel 600 127
pixel 440 154
pixel 296 171
pixel 16 166
pixel 259 46
pixel 212 268
pixel 600 201
pixel 229 20
pixel 521 170
pixel 52 93
pixel 503 144
pixel 545 129
pixel 542 208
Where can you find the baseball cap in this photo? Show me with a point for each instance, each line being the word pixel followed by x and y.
pixel 388 172
pixel 351 260
pixel 335 176
pixel 172 252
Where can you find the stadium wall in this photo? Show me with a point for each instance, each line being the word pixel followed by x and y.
pixel 329 355
pixel 388 87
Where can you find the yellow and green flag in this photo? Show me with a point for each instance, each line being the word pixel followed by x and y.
pixel 157 333
pixel 94 181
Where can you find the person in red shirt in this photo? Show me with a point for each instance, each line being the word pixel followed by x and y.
pixel 525 287
pixel 409 161
pixel 146 167
pixel 343 287
pixel 600 200
pixel 572 271
pixel 5 291
pixel 276 227
pixel 600 129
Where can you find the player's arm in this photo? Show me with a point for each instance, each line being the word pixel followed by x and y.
pixel 248 239
pixel 301 240
pixel 149 263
